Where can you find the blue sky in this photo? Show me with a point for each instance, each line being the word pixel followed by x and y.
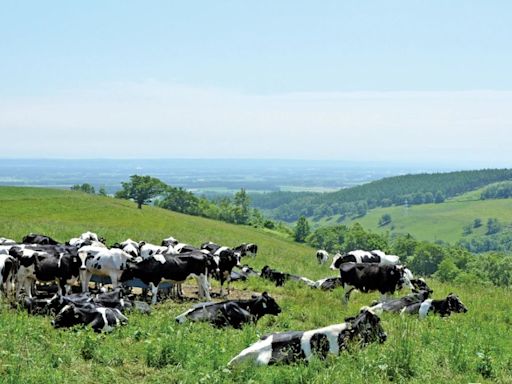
pixel 297 79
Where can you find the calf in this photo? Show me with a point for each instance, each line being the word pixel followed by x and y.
pixel 233 313
pixel 369 277
pixel 296 346
pixel 100 319
pixel 322 256
pixel 359 256
pixel 102 262
pixel 444 307
pixel 172 268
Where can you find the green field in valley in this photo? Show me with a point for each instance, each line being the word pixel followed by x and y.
pixel 474 347
pixel 433 222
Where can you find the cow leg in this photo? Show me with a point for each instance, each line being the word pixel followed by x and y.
pixel 85 276
pixel 202 283
pixel 346 293
pixel 154 292
pixel 114 279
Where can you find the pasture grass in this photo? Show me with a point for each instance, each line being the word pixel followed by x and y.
pixel 472 347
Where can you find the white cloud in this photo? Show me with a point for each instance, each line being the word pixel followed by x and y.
pixel 158 120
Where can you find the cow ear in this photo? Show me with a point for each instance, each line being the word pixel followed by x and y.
pixel 264 294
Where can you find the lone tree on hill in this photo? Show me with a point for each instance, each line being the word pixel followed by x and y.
pixel 141 189
pixel 301 229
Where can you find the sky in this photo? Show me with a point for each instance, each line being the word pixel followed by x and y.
pixel 404 81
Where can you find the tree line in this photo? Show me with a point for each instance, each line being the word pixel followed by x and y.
pixel 398 190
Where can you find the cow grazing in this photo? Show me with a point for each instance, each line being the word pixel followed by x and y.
pixel 369 277
pixel 34 238
pixel 173 268
pixel 102 262
pixel 359 256
pixel 297 346
pixel 234 313
pixel 8 269
pixel 100 319
pixel 444 307
pixel 322 256
pixel 398 305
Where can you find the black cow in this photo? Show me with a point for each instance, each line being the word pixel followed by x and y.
pixel 233 313
pixel 34 238
pixel 295 346
pixel 369 277
pixel 398 305
pixel 100 319
pixel 444 307
pixel 279 278
pixel 173 268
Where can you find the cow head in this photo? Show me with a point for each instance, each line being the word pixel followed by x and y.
pixel 366 327
pixel 454 304
pixel 129 271
pixel 68 316
pixel 83 256
pixel 264 305
pixel 170 241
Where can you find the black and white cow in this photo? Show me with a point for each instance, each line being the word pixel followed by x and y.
pixel 398 305
pixel 328 283
pixel 210 247
pixel 279 278
pixel 36 265
pixel 322 256
pixel 8 269
pixel 359 256
pixel 172 268
pixel 296 346
pixel 227 259
pixel 443 307
pixel 34 238
pixel 148 250
pixel 102 262
pixel 169 241
pixel 367 277
pixel 129 246
pixel 233 313
pixel 420 285
pixel 100 319
pixel 247 249
pixel 243 273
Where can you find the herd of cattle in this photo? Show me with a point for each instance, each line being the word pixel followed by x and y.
pixel 41 259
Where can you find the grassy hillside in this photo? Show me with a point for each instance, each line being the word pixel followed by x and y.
pixel 433 222
pixel 475 347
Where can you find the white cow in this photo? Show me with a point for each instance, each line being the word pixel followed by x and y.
pixel 102 262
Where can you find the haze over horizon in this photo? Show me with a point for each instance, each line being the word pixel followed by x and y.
pixel 399 81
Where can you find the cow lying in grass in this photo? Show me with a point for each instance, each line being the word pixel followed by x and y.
pixel 233 313
pixel 100 319
pixel 443 307
pixel 398 305
pixel 295 346
pixel 279 278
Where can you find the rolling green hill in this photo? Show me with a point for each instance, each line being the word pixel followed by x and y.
pixel 433 222
pixel 474 347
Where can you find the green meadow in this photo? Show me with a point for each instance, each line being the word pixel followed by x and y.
pixel 473 347
pixel 433 222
